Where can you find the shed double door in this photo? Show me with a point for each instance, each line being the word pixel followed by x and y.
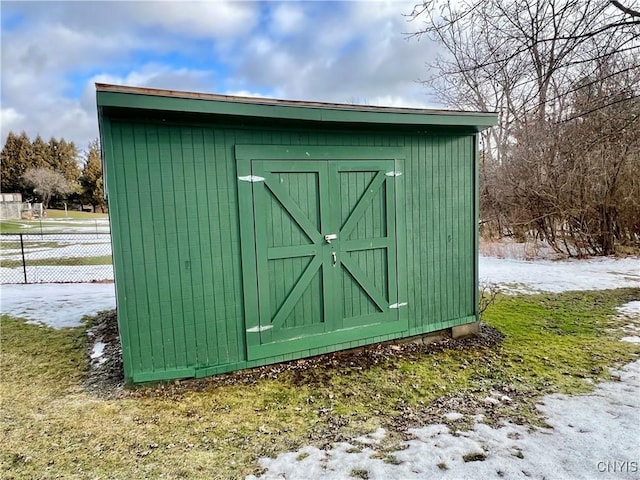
pixel 326 253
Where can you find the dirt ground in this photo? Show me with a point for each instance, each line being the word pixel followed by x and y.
pixel 105 374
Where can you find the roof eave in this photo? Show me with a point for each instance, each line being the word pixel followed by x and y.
pixel 162 100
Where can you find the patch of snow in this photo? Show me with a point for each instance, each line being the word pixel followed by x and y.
pixel 589 436
pixel 453 416
pixel 64 249
pixel 631 339
pixel 38 247
pixel 56 305
pixel 98 350
pixel 631 309
pixel 372 438
pixel 630 312
pixel 520 276
pixel 58 273
pixel 66 225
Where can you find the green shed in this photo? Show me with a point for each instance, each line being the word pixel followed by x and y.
pixel 249 231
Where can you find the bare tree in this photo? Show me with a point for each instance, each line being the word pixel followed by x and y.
pixel 628 10
pixel 518 57
pixel 47 183
pixel 534 62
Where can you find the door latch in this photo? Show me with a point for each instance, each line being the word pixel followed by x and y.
pixel 335 258
pixel 329 237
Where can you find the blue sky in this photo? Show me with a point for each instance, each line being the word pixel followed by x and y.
pixel 346 52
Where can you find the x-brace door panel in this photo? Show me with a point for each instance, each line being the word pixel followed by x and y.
pixel 288 218
pixel 366 214
pixel 320 252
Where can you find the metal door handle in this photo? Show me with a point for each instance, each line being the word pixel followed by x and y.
pixel 335 258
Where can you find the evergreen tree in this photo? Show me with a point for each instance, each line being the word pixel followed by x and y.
pixel 63 158
pixel 15 159
pixel 19 155
pixel 40 154
pixel 91 178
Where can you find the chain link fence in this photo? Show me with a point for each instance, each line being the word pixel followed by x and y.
pixel 55 257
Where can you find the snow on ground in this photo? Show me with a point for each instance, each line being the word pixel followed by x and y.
pixel 631 309
pixel 58 273
pixel 56 304
pixel 591 436
pixel 630 312
pixel 631 339
pixel 97 352
pixel 54 249
pixel 63 225
pixel 512 275
pixel 89 246
pixel 519 276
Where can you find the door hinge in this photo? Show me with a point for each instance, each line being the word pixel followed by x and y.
pixel 259 328
pixel 251 178
pixel 398 305
pixel 393 173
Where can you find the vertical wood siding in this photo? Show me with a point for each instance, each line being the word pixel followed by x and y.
pixel 174 210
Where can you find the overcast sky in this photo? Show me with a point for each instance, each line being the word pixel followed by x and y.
pixel 351 52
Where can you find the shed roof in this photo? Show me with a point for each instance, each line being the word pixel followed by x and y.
pixel 126 97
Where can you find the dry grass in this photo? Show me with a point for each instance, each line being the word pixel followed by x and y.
pixel 52 427
pixel 532 249
pixel 505 248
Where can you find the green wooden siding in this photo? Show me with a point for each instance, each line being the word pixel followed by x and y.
pixel 173 193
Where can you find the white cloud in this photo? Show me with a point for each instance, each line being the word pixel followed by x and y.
pixel 210 19
pixel 401 102
pixel 10 118
pixel 56 117
pixel 41 49
pixel 75 119
pixel 364 56
pixel 287 18
pixel 245 93
pixel 337 52
pixel 153 75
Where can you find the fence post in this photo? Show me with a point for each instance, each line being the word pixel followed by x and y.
pixel 24 262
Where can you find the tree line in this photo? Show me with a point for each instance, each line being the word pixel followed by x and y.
pixel 52 172
pixel 563 164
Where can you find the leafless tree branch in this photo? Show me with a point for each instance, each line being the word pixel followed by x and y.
pixel 627 10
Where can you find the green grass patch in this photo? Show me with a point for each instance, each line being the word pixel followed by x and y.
pixel 555 342
pixel 30 244
pixel 13 226
pixel 59 261
pixel 52 427
pixel 75 214
pixel 36 227
pixel 359 473
pixel 55 222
